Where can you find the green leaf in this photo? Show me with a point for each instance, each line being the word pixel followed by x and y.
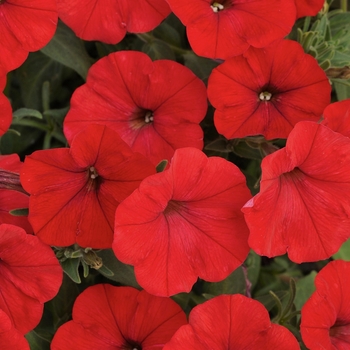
pixel 69 50
pixel 182 299
pixel 253 264
pixel 61 305
pixel 341 59
pixel 304 288
pixel 122 273
pixel 168 34
pixel 200 66
pixel 157 49
pixel 57 114
pixel 235 283
pixel 14 143
pixel 242 149
pixel 325 64
pixel 36 342
pixel 37 69
pixel 269 301
pixel 27 112
pixel 342 88
pixel 344 252
pixel 19 212
pixel 71 268
pixel 161 165
pixel 14 132
pixel 221 144
pixel 340 23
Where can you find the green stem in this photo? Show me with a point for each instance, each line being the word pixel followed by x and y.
pixel 58 136
pixel 292 315
pixel 307 22
pixel 47 140
pixel 277 318
pixel 148 38
pixel 344 5
pixel 31 123
pixel 45 92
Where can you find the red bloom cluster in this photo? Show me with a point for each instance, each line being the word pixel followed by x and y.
pixel 325 317
pixel 188 224
pixel 267 91
pixel 29 276
pixel 231 322
pixel 74 192
pixel 25 26
pixel 303 206
pixel 155 107
pixel 107 317
pixel 5 108
pixel 12 199
pixel 109 20
pixel 226 28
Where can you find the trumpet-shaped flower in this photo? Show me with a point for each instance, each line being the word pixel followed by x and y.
pixel 25 26
pixel 188 224
pixel 74 192
pixel 110 20
pixel 303 207
pixel 325 317
pixel 226 28
pixel 29 276
pixel 155 107
pixel 267 91
pixel 231 322
pixel 107 317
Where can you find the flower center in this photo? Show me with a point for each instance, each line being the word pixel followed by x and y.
pixel 222 5
pixel 93 180
pixel 216 7
pixel 265 96
pixel 2 1
pixel 148 117
pixel 173 207
pixel 131 345
pixel 140 118
pixel 93 173
pixel 341 331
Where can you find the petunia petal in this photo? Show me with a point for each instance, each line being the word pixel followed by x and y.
pixel 301 208
pixel 189 224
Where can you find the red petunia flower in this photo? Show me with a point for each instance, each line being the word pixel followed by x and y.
pixel 231 322
pixel 10 337
pixel 337 117
pixel 267 91
pixel 74 192
pixel 308 7
pixel 325 317
pixel 11 199
pixel 109 20
pixel 226 28
pixel 188 224
pixel 303 206
pixel 29 276
pixel 25 26
pixel 155 107
pixel 108 318
pixel 5 106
